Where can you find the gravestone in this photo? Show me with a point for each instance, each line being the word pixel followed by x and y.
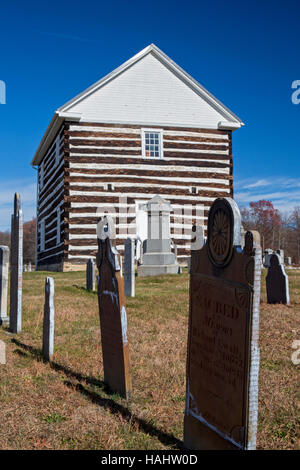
pixel 267 256
pixel 277 282
pixel 29 267
pixel 112 311
pixel 139 250
pixel 223 354
pixel 48 325
pixel 158 258
pixel 16 271
pixel 281 255
pixel 90 275
pixel 129 268
pixel 4 264
pixel 288 261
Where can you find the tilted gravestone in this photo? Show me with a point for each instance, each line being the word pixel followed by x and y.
pixel 90 275
pixel 129 268
pixel 48 325
pixel 4 264
pixel 277 282
pixel 112 311
pixel 16 272
pixel 223 354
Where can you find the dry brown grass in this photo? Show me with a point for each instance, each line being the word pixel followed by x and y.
pixel 65 405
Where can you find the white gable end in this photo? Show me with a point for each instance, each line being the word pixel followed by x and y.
pixel 147 92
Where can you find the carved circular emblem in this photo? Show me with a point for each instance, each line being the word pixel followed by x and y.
pixel 220 232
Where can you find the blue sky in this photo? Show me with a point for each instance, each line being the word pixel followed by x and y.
pixel 245 53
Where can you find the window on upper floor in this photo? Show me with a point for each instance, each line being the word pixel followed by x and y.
pixel 152 143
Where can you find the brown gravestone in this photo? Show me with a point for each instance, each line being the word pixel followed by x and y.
pixel 223 354
pixel 277 282
pixel 112 310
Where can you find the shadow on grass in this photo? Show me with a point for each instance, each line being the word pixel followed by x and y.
pixel 38 355
pixel 109 404
pixel 117 409
pixel 84 289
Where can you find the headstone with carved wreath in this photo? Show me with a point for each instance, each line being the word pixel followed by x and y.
pixel 223 354
pixel 112 310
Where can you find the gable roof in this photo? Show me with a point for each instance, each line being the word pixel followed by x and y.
pixel 231 121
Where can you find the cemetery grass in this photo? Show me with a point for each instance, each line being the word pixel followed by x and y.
pixel 65 404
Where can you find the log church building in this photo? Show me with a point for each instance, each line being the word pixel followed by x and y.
pixel 147 128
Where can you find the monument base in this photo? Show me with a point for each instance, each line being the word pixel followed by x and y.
pixel 157 269
pixel 4 320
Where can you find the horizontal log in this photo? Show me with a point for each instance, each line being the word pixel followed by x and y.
pixel 140 180
pixel 106 143
pixel 194 138
pixel 154 172
pixel 148 161
pixel 136 126
pixel 150 190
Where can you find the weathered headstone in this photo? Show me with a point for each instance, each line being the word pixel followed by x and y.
pixel 90 275
pixel 48 326
pixel 288 261
pixel 139 251
pixel 129 268
pixel 4 264
pixel 267 256
pixel 16 272
pixel 29 267
pixel 281 255
pixel 223 354
pixel 277 282
pixel 112 311
pixel 158 258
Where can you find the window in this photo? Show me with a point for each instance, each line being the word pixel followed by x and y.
pixel 194 190
pixel 152 143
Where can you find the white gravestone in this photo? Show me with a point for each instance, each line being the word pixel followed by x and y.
pixel 48 326
pixel 129 268
pixel 4 264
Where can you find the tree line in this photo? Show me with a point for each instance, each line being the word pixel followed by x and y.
pixel 29 229
pixel 277 231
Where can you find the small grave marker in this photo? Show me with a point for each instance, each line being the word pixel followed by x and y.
pixel 129 268
pixel 48 326
pixel 4 264
pixel 90 275
pixel 277 282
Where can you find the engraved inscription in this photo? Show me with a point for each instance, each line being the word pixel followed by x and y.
pixel 218 354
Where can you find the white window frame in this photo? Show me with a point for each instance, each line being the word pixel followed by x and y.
pixel 161 149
